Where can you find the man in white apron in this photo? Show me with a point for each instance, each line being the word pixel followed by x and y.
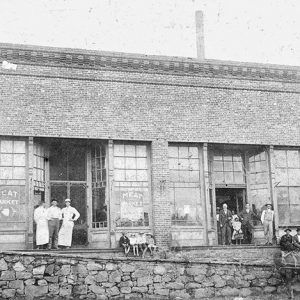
pixel 42 231
pixel 70 214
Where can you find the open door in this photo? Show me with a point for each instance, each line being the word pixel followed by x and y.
pixel 68 179
pixel 235 198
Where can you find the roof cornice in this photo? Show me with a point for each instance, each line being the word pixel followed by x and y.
pixel 90 59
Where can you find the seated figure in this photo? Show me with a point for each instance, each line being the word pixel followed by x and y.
pixel 134 244
pixel 151 243
pixel 142 243
pixel 286 241
pixel 237 234
pixel 124 242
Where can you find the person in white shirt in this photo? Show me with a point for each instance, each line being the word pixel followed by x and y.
pixel 53 216
pixel 70 214
pixel 267 218
pixel 42 230
pixel 133 244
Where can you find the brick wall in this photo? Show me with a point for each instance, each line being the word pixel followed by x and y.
pixel 49 101
pixel 161 203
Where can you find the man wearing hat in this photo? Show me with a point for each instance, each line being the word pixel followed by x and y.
pixel 286 241
pixel 296 240
pixel 70 214
pixel 53 216
pixel 267 218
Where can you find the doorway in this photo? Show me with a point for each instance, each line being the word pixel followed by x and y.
pixel 235 198
pixel 68 179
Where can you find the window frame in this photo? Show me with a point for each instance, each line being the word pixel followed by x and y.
pixel 200 206
pixel 147 186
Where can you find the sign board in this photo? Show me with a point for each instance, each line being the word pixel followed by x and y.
pixel 12 206
pixel 132 205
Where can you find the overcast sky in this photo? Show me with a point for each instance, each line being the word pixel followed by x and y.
pixel 265 31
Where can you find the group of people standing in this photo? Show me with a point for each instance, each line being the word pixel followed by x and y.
pixel 239 227
pixel 48 231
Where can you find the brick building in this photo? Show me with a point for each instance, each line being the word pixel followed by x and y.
pixel 144 143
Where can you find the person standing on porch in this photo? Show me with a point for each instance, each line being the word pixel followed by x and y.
pixel 225 225
pixel 267 218
pixel 53 216
pixel 42 230
pixel 247 217
pixel 70 214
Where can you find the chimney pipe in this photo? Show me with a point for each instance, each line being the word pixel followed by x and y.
pixel 199 34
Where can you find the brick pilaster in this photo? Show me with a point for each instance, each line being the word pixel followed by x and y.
pixel 160 192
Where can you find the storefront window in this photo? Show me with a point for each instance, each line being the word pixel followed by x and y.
pixel 228 168
pixel 131 181
pixel 184 189
pixel 39 166
pixel 67 162
pixel 99 206
pixel 287 177
pixel 258 181
pixel 12 184
pixel 12 160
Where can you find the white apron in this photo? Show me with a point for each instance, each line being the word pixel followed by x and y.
pixel 65 233
pixel 66 230
pixel 42 231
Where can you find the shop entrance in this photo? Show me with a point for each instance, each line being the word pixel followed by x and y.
pixel 235 198
pixel 68 179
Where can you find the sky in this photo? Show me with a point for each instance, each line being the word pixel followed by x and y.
pixel 264 31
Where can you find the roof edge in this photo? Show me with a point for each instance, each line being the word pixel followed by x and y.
pixel 74 57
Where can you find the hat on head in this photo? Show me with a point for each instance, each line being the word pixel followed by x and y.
pixel 288 229
pixel 67 200
pixel 298 229
pixel 269 204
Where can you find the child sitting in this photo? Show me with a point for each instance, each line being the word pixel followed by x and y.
pixel 142 243
pixel 237 234
pixel 124 243
pixel 134 244
pixel 151 243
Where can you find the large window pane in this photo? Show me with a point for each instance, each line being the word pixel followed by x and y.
pixel 228 168
pixel 99 207
pixel 293 159
pixel 67 162
pixel 12 159
pixel 131 186
pixel 58 164
pixel 288 189
pixel 280 158
pixel 185 188
pixel 77 164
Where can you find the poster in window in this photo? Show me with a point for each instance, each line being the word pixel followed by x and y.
pixel 132 205
pixel 11 205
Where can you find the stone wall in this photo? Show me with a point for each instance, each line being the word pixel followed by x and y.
pixel 36 275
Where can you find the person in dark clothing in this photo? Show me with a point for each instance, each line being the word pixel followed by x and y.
pixel 296 240
pixel 247 217
pixel 124 243
pixel 225 225
pixel 286 241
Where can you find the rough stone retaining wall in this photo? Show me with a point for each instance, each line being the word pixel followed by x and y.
pixel 37 275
